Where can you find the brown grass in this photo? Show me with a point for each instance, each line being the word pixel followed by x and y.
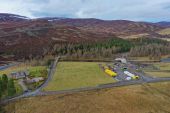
pixel 167 39
pixel 147 98
pixel 165 31
pixel 135 36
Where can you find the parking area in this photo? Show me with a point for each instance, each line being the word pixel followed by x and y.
pixel 126 71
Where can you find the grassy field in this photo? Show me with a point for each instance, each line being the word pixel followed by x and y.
pixel 165 31
pixel 146 98
pixel 19 89
pixel 163 70
pixel 146 59
pixel 166 39
pixel 163 66
pixel 158 74
pixel 71 75
pixel 135 36
pixel 143 59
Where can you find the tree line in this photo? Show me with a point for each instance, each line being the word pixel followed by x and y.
pixel 103 49
pixel 138 47
pixel 145 41
pixel 152 48
pixel 7 87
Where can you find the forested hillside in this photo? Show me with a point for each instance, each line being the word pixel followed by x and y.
pixel 152 48
pixel 141 47
pixel 105 49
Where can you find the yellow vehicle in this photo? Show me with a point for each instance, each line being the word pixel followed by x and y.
pixel 135 77
pixel 110 73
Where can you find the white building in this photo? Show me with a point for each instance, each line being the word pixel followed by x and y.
pixel 122 60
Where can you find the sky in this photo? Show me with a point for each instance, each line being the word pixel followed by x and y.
pixel 136 10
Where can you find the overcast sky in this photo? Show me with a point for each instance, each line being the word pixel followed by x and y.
pixel 137 10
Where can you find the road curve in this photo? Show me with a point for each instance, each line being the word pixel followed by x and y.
pixel 50 74
pixel 38 90
pixel 8 66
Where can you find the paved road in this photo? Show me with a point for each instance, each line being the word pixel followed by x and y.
pixel 38 92
pixel 117 84
pixel 8 66
pixel 111 85
pixel 50 74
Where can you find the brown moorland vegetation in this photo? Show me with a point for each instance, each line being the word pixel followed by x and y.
pixel 146 98
pixel 38 36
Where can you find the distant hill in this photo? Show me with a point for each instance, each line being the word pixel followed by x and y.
pixel 163 24
pixel 116 27
pixel 5 17
pixel 20 33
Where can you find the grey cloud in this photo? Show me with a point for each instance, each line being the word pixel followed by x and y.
pixel 139 10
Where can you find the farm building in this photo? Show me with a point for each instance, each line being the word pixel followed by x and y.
pixel 122 60
pixel 19 75
pixel 34 80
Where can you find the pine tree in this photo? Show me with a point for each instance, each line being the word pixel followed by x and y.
pixel 4 82
pixel 11 88
pixel 0 88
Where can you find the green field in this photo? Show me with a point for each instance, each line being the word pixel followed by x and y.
pixel 19 89
pixel 71 75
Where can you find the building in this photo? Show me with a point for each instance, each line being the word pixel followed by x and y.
pixel 19 75
pixel 34 80
pixel 122 60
